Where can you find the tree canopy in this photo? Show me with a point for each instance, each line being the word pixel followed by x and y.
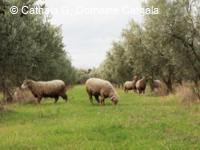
pixel 165 46
pixel 30 47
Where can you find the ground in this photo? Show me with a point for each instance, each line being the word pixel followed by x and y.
pixel 138 122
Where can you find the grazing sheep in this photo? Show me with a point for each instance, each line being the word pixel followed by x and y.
pixel 156 84
pixel 40 89
pixel 141 85
pixel 98 87
pixel 130 85
pixel 158 88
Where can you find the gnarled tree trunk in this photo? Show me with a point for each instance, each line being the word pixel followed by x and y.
pixel 7 93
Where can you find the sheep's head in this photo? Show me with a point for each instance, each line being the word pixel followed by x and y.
pixel 26 84
pixel 135 78
pixel 114 99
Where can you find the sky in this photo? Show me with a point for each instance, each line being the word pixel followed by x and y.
pixel 89 27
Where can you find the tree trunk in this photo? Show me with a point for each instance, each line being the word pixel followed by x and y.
pixel 195 83
pixel 7 94
pixel 169 86
pixel 168 80
pixel 180 81
pixel 151 85
pixel 151 81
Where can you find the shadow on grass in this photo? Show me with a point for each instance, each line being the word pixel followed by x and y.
pixel 108 104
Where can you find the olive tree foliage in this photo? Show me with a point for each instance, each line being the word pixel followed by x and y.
pixel 165 46
pixel 30 47
pixel 82 75
pixel 114 68
pixel 172 37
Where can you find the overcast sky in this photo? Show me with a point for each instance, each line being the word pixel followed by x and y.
pixel 89 35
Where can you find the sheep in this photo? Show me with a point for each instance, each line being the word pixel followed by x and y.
pixel 97 87
pixel 52 89
pixel 141 85
pixel 156 84
pixel 130 85
pixel 158 88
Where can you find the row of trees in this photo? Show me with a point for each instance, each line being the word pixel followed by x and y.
pixel 165 46
pixel 30 47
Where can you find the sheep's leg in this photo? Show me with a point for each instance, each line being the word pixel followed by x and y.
pixel 90 96
pixel 102 101
pixel 97 98
pixel 139 91
pixel 56 99
pixel 39 99
pixel 143 91
pixel 65 97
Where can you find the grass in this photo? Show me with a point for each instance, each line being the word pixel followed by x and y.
pixel 138 122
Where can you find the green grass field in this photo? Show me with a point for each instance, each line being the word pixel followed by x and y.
pixel 138 122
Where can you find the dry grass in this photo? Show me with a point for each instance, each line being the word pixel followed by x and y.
pixel 187 93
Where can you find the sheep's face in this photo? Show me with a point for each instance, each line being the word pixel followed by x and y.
pixel 114 99
pixel 25 84
pixel 135 78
